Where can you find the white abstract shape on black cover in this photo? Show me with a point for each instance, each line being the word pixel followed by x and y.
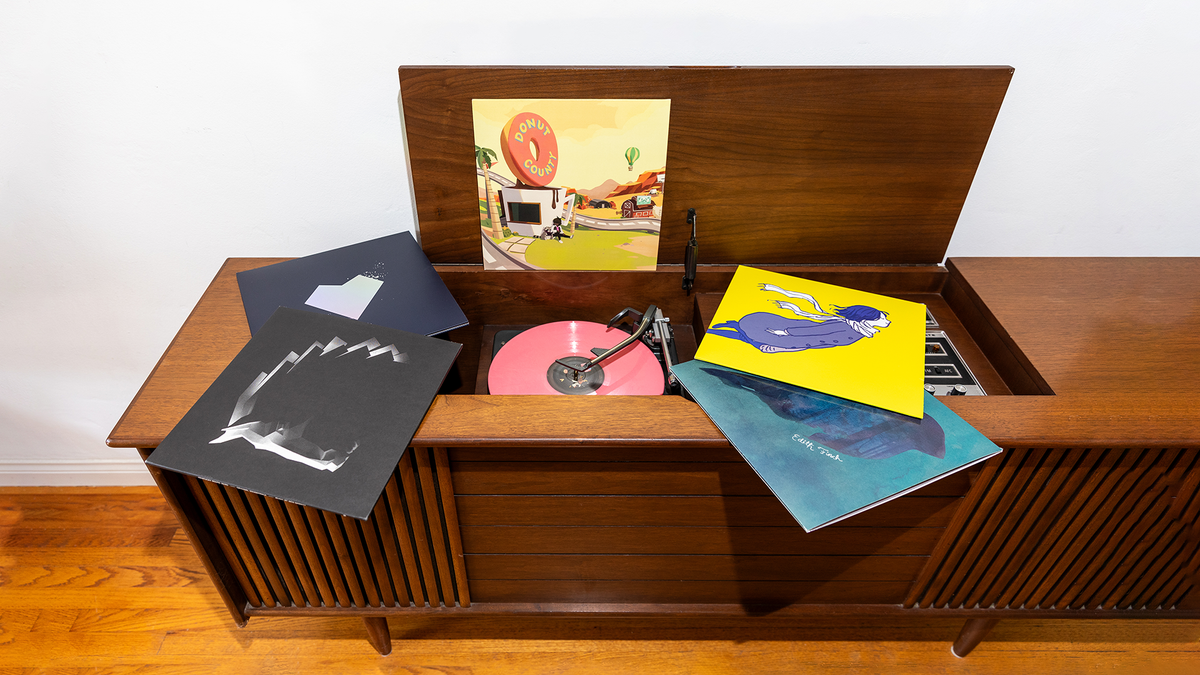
pixel 315 345
pixel 349 299
pixel 368 344
pixel 245 402
pixel 397 356
pixel 288 443
pixel 283 438
pixel 374 349
pixel 333 344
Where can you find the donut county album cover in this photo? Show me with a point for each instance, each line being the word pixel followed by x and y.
pixel 570 184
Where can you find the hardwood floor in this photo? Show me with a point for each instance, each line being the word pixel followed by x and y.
pixel 102 580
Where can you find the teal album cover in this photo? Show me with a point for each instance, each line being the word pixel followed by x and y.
pixel 828 458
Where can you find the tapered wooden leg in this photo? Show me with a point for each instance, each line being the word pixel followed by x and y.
pixel 378 634
pixel 972 633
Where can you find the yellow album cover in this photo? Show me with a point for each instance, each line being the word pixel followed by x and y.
pixel 853 344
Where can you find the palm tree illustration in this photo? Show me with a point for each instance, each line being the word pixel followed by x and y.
pixel 485 158
pixel 579 202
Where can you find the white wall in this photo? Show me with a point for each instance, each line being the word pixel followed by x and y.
pixel 141 143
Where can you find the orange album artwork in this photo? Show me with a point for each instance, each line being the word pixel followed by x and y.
pixel 852 344
pixel 570 184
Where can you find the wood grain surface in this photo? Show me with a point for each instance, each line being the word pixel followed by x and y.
pixel 643 476
pixel 708 511
pixel 103 580
pixel 1096 326
pixel 654 539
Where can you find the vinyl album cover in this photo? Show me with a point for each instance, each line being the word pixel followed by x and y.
pixel 570 184
pixel 852 344
pixel 315 409
pixel 386 281
pixel 827 458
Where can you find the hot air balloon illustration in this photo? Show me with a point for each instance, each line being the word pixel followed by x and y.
pixel 631 156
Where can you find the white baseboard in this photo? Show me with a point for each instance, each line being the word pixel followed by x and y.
pixel 66 472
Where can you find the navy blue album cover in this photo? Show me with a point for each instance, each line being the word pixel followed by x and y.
pixel 315 410
pixel 828 458
pixel 386 281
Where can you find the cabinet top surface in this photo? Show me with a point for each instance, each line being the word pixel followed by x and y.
pixel 1099 325
pixel 1116 338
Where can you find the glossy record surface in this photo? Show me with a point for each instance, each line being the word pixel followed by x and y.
pixel 520 366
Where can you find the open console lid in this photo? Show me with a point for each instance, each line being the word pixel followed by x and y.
pixel 784 165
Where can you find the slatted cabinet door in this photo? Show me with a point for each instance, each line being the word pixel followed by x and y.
pixel 1098 529
pixel 288 556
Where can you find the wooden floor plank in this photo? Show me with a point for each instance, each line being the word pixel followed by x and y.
pixel 55 621
pixel 70 515
pixel 76 556
pixel 57 577
pixel 34 536
pixel 123 620
pixel 73 602
pixel 14 622
pixel 108 598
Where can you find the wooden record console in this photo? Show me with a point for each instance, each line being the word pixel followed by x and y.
pixel 618 505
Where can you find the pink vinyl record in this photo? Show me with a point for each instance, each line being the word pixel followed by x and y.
pixel 526 363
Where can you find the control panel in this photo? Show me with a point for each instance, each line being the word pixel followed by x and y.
pixel 945 372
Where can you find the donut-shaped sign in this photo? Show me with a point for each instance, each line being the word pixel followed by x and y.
pixel 530 148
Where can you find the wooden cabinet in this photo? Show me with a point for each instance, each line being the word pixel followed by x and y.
pixel 638 504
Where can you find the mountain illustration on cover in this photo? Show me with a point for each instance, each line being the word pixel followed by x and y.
pixel 827 458
pixel 386 281
pixel 841 341
pixel 570 184
pixel 316 409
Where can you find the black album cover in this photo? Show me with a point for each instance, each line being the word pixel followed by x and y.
pixel 315 409
pixel 386 281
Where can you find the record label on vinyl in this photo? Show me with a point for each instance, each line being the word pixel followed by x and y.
pixel 527 363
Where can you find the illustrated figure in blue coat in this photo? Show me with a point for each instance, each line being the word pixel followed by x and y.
pixel 772 333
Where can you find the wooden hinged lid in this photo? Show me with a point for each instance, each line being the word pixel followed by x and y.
pixel 783 165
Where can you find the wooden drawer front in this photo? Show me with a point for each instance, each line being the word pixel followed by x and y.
pixel 668 526
pixel 406 554
pixel 753 595
pixel 697 567
pixel 1072 529
pixel 680 511
pixel 688 477
pixel 725 541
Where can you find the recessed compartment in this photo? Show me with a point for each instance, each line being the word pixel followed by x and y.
pixel 503 301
